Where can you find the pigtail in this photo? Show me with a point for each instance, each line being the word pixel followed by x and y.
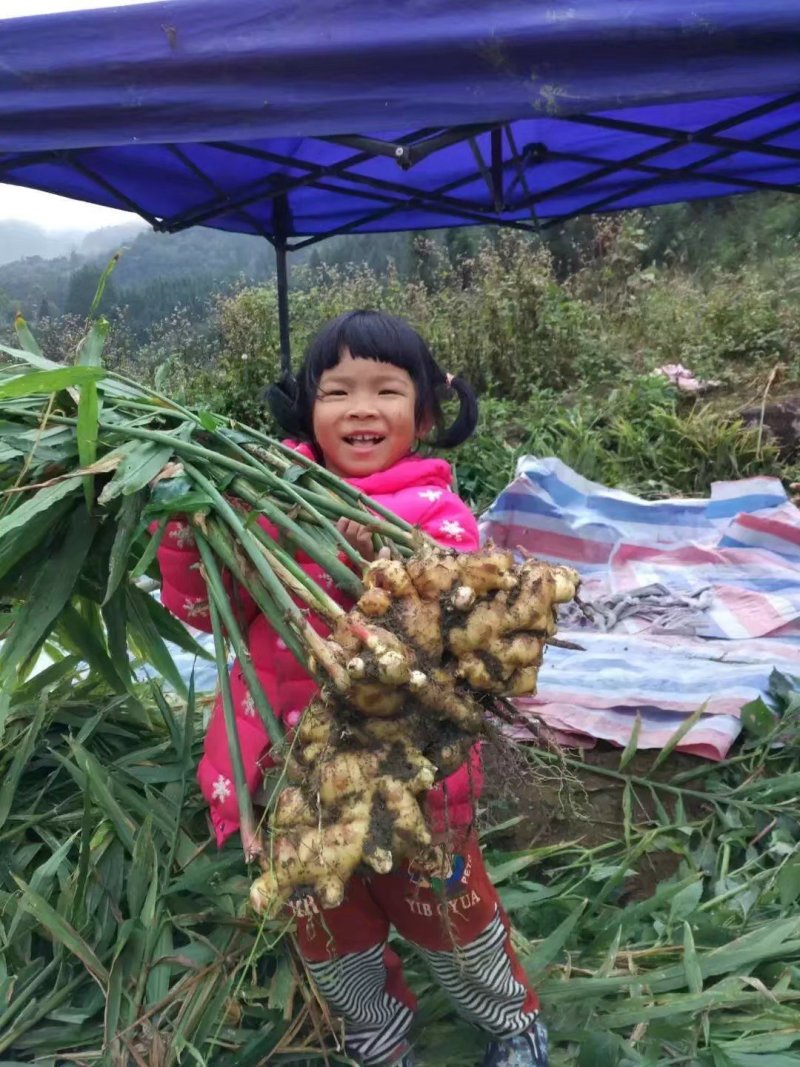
pixel 465 421
pixel 284 401
pixel 388 339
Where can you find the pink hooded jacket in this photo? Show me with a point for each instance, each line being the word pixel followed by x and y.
pixel 418 490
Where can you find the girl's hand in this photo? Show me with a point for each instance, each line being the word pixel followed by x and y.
pixel 359 536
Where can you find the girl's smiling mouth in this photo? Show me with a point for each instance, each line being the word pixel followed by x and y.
pixel 364 439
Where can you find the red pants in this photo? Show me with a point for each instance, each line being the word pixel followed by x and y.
pixel 458 926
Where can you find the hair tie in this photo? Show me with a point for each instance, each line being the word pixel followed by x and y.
pixel 449 379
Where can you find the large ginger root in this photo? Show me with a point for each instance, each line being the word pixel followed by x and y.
pixel 427 641
pixel 325 829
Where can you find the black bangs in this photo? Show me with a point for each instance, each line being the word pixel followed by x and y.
pixel 370 335
pixel 387 339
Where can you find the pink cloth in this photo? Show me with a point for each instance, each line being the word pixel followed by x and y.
pixel 418 490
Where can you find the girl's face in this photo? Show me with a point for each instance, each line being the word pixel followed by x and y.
pixel 364 418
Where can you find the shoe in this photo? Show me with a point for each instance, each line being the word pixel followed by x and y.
pixel 528 1049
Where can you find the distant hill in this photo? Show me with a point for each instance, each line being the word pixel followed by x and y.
pixel 22 240
pixel 154 274
pixel 19 240
pixel 107 240
pixel 56 274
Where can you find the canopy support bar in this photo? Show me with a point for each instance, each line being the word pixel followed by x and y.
pixel 281 221
pixel 673 141
pixel 108 187
pixel 406 151
pixel 282 277
pixel 689 169
pixel 190 165
pixel 316 174
pixel 266 189
pixel 710 135
pixel 497 169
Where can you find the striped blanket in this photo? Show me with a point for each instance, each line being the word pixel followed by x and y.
pixel 740 548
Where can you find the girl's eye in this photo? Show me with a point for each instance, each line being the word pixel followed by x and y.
pixel 389 392
pixel 332 392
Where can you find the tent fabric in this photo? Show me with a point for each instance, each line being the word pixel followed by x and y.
pixel 288 119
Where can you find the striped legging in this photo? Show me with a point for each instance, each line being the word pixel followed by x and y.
pixel 458 927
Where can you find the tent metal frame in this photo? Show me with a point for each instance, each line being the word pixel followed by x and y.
pixel 505 171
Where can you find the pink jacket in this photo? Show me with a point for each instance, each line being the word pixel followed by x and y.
pixel 418 490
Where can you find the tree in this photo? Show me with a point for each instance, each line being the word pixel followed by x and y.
pixel 6 307
pixel 82 287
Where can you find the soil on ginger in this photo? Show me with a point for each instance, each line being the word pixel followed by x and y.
pixel 564 804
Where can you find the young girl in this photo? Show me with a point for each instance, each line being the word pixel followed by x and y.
pixel 368 392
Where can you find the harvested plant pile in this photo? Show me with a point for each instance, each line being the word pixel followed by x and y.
pixel 125 936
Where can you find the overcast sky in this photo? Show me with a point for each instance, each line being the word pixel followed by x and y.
pixel 55 212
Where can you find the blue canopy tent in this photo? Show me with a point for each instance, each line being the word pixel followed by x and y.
pixel 297 121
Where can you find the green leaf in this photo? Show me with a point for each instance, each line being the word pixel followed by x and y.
pixel 166 505
pixel 685 901
pixel 34 505
pixel 25 337
pixel 782 686
pixel 93 774
pixel 170 489
pixel 788 881
pixel 129 514
pixel 90 348
pixel 755 1059
pixel 547 951
pixel 757 718
pixel 633 743
pixel 101 285
pixel 61 930
pixel 257 1048
pixel 115 617
pixel 141 462
pixel 87 430
pixel 50 592
pixel 140 875
pixel 42 878
pixel 46 679
pixel 79 911
pixel 694 975
pixel 282 985
pixel 88 642
pixel 171 628
pixel 294 472
pixel 112 1008
pixel 147 639
pixel 599 1050
pixel 207 420
pixel 679 735
pixel 150 551
pixel 49 381
pixel 158 978
pixel 627 811
pixel 515 863
pixel 162 371
pixel 23 749
pixel 33 359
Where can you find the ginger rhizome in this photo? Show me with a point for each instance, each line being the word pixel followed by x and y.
pixel 412 666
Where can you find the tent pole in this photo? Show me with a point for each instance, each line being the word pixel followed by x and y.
pixel 282 273
pixel 281 228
